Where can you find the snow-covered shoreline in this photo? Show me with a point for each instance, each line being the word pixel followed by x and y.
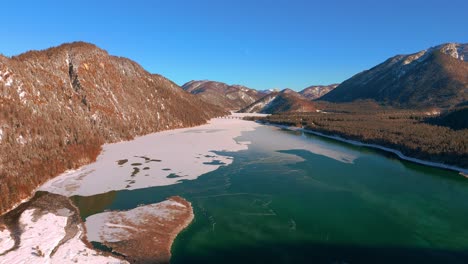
pixel 49 231
pixel 158 159
pixel 362 144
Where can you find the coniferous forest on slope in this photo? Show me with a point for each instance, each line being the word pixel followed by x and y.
pixel 414 133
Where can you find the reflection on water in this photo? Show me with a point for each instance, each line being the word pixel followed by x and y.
pixel 94 204
pixel 297 198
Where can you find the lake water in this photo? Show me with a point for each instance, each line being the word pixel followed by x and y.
pixel 298 198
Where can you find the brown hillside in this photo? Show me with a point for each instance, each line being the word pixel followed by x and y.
pixel 59 105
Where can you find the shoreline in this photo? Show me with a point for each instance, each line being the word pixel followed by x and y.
pixel 142 234
pixel 153 159
pixel 103 146
pixel 173 236
pixel 461 171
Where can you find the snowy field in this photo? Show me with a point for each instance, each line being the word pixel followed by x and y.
pixel 41 242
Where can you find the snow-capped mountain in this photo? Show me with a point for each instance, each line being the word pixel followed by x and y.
pixel 317 91
pixel 230 97
pixel 279 102
pixel 436 77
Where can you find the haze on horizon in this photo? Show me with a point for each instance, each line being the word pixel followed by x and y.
pixel 261 44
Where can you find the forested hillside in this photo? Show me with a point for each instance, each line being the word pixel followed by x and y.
pixel 58 106
pixel 403 130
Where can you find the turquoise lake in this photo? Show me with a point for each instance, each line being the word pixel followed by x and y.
pixel 324 202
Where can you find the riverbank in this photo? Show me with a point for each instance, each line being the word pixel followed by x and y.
pixel 398 153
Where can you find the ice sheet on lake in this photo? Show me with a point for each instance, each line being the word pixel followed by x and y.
pixel 188 153
pixel 167 157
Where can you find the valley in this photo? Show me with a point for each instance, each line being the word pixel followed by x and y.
pixel 104 162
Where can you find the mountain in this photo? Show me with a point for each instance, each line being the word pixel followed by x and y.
pixel 231 97
pixel 437 77
pixel 267 91
pixel 317 91
pixel 61 104
pixel 279 102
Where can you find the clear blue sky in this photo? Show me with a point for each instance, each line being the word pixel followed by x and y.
pixel 260 44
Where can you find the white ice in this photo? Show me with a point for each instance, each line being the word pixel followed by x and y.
pixel 186 152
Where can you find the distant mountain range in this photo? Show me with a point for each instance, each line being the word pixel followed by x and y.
pixel 436 77
pixel 235 97
pixel 278 102
pixel 317 91
pixel 230 97
pixel 59 105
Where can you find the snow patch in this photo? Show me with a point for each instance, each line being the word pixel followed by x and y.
pixel 451 49
pixel 174 203
pixel 75 251
pixel 6 241
pixel 117 226
pixel 409 59
pixel 38 239
pixel 95 117
pixel 41 235
pixel 21 140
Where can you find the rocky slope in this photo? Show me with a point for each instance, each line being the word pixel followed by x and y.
pixel 59 105
pixel 316 91
pixel 230 97
pixel 280 102
pixel 437 77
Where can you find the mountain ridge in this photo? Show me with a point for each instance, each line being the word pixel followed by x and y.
pixel 316 91
pixel 231 97
pixel 435 77
pixel 286 100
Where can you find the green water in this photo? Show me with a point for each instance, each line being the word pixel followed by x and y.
pixel 296 206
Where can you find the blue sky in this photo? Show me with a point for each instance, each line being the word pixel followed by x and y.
pixel 260 44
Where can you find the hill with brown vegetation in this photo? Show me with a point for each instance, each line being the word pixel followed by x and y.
pixel 230 97
pixel 437 77
pixel 58 106
pixel 280 102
